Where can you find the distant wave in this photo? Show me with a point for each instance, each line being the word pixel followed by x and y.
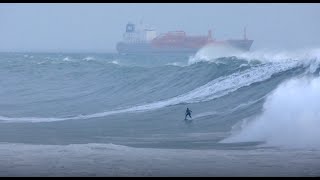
pixel 89 58
pixel 66 59
pixel 212 54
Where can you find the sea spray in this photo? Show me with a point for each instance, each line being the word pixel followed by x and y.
pixel 290 118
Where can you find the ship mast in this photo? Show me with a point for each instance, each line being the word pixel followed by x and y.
pixel 209 34
pixel 245 33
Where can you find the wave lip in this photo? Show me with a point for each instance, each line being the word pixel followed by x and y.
pixel 212 53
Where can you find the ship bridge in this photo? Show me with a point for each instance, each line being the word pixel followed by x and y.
pixel 138 34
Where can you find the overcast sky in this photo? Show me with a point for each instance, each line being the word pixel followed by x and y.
pixel 97 27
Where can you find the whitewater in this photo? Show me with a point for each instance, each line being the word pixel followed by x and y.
pixel 93 114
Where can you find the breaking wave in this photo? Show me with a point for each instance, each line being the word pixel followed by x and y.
pixel 290 118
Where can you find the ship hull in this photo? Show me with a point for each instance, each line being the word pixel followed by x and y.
pixel 243 45
pixel 149 48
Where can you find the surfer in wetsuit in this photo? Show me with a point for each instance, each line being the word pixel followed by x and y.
pixel 188 112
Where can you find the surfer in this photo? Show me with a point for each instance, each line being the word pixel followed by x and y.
pixel 188 113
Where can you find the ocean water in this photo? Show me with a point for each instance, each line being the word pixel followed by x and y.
pixel 86 114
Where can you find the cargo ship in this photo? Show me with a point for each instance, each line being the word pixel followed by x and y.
pixel 142 40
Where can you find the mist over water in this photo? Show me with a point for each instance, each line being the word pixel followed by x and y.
pixel 212 52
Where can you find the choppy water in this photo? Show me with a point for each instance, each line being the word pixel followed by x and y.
pixel 121 115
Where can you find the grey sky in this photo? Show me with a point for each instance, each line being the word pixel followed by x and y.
pixel 98 27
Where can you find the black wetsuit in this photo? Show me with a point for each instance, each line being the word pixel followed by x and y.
pixel 188 113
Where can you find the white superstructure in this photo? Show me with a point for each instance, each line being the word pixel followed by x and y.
pixel 136 34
